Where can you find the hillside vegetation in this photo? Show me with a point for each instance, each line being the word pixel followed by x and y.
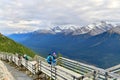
pixel 10 46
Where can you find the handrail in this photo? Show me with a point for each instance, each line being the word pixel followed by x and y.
pixel 114 69
pixel 76 66
pixel 85 65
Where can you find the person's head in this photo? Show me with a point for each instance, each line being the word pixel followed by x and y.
pixel 24 55
pixel 54 53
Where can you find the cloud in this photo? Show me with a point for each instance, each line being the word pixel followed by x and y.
pixel 24 15
pixel 22 26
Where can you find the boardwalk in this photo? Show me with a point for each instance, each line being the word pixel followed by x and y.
pixel 66 70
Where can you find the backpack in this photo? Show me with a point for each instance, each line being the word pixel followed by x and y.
pixel 26 57
pixel 50 58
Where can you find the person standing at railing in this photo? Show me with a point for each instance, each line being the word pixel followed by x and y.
pixel 54 59
pixel 49 59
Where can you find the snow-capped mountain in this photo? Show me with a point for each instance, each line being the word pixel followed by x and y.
pixel 91 29
pixel 101 27
pixel 115 30
pixel 63 29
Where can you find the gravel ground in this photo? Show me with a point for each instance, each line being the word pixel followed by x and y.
pixel 11 73
pixel 4 72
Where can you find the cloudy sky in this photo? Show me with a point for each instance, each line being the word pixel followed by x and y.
pixel 29 15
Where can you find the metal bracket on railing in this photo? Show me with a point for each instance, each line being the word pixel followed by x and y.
pixel 81 78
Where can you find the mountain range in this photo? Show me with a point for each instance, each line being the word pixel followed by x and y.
pixel 97 44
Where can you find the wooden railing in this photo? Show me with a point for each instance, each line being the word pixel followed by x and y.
pixel 55 72
pixel 75 66
pixel 66 70
pixel 115 69
pixel 90 70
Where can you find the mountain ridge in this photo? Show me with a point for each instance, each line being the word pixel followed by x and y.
pixel 92 29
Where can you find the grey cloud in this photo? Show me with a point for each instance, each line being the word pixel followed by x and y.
pixel 59 12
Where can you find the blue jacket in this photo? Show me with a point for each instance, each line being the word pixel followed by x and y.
pixel 48 58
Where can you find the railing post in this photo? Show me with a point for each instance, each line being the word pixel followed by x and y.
pixel 40 62
pixel 14 60
pixel 33 69
pixel 45 77
pixel 5 57
pixel 106 75
pixel 26 64
pixel 73 77
pixel 11 59
pixel 82 77
pixel 55 73
pixel 94 75
pixel 19 62
pixel 51 71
